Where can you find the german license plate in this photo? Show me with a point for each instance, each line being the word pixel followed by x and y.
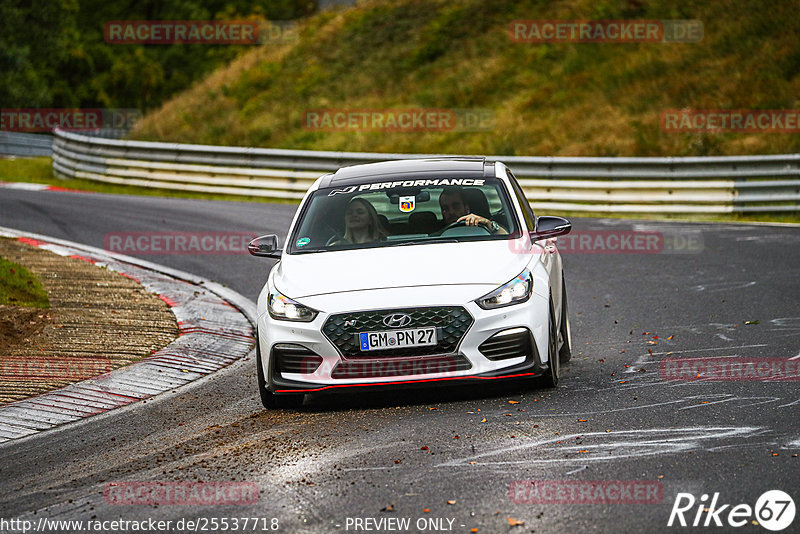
pixel 394 339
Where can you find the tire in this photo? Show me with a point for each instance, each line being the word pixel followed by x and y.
pixel 564 334
pixel 268 398
pixel 552 375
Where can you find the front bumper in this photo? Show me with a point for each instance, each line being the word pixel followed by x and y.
pixel 320 367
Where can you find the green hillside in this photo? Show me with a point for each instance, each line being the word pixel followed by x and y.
pixel 565 99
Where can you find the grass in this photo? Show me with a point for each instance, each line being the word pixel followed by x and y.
pixel 555 99
pixel 18 287
pixel 34 170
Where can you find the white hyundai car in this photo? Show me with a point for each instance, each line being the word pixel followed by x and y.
pixel 414 272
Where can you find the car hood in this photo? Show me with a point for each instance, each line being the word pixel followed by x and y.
pixel 474 263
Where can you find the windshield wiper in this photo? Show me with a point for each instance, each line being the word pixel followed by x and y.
pixel 426 241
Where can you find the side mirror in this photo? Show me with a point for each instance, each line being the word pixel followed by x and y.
pixel 265 246
pixel 547 226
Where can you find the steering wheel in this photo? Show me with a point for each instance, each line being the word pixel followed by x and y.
pixel 334 238
pixel 462 223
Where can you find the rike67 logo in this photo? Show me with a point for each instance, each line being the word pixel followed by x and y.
pixel 774 510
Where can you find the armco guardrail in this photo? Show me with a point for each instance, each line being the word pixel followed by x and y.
pixel 722 184
pixel 24 144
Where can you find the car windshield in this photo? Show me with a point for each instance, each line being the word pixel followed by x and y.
pixel 403 212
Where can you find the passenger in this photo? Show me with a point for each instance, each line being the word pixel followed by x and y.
pixel 361 223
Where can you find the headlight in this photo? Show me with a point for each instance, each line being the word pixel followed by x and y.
pixel 514 292
pixel 283 308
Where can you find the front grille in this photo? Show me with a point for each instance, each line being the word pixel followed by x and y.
pixel 398 366
pixel 507 344
pixel 452 323
pixel 289 358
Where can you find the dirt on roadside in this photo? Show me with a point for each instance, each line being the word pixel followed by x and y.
pixel 98 320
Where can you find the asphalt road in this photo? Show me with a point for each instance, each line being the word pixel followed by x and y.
pixel 446 459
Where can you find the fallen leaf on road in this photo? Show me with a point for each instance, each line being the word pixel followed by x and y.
pixel 670 337
pixel 513 402
pixel 483 420
pixel 514 522
pixel 389 508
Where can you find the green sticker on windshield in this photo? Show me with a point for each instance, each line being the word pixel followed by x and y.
pixel 303 241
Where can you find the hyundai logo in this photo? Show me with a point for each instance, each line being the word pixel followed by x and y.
pixel 397 320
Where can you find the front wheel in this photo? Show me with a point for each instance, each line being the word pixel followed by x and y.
pixel 268 398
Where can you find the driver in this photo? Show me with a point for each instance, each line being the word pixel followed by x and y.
pixel 455 208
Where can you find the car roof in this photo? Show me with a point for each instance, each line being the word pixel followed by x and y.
pixel 462 167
